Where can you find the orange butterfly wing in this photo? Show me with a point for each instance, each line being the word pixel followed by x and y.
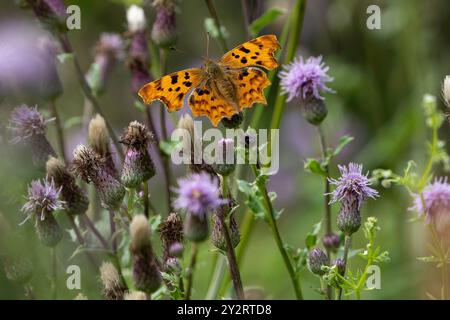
pixel 172 88
pixel 256 52
pixel 204 101
pixel 250 84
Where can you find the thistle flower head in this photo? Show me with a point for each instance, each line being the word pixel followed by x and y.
pixel 171 233
pixel 317 259
pixel 26 122
pixel 136 18
pixel 352 184
pixel 51 12
pixel 140 232
pixel 305 79
pixel 43 198
pixel 198 193
pixel 86 163
pixel 164 29
pixel 111 45
pixel 446 91
pixel 137 136
pixel 436 199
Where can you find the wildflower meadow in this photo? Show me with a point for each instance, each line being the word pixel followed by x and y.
pixel 224 150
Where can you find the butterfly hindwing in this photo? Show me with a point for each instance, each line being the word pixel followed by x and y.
pixel 256 52
pixel 204 101
pixel 172 88
pixel 250 84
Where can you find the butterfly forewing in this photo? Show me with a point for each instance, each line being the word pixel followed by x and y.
pixel 250 84
pixel 256 52
pixel 172 88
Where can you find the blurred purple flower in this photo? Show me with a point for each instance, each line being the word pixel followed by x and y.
pixel 164 32
pixel 26 122
pixel 305 79
pixel 43 198
pixel 198 193
pixel 352 184
pixel 436 198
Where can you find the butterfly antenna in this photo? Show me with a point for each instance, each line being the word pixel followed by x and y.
pixel 207 45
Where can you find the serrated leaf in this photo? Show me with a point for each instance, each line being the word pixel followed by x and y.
pixel 343 141
pixel 314 166
pixel 265 19
pixel 310 240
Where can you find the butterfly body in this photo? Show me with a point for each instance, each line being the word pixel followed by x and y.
pixel 219 89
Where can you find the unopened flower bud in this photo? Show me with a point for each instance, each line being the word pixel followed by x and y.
pixel 76 201
pixel 99 140
pixel 49 231
pixel 196 227
pixel 146 274
pixel 340 264
pixel 314 110
pixel 138 166
pixel 171 233
pixel 331 241
pixel 349 217
pixel 113 287
pixel 317 259
pixel 217 236
pixel 164 32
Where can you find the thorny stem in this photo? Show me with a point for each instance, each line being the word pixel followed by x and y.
pixel 346 248
pixel 88 92
pixel 231 256
pixel 190 275
pixel 59 130
pixel 213 13
pixel 327 216
pixel 270 216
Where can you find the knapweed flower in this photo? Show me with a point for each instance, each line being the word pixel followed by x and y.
pixel 138 166
pixel 29 126
pixel 435 201
pixel 91 167
pixel 146 274
pixel 75 199
pixel 307 80
pixel 43 200
pixel 198 194
pixel 317 259
pixel 446 91
pixel 138 60
pixel 99 140
pixel 171 234
pixel 352 188
pixel 113 287
pixel 108 51
pixel 164 31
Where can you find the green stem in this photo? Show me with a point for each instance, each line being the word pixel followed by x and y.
pixel 190 273
pixel 434 142
pixel 213 13
pixel 443 260
pixel 218 276
pixel 146 199
pixel 270 216
pixel 54 274
pixel 59 130
pixel 346 249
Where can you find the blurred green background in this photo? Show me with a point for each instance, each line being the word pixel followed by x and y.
pixel 380 78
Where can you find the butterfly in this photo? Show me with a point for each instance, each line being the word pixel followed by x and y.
pixel 219 89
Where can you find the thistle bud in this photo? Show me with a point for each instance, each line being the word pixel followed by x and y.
pixel 75 199
pixel 317 259
pixel 113 287
pixel 340 265
pixel 98 139
pixel 138 166
pixel 349 217
pixel 146 273
pixel 196 227
pixel 52 13
pixel 234 122
pixel 226 163
pixel 18 269
pixel 135 295
pixel 164 32
pixel 171 233
pixel 217 236
pixel 29 127
pixel 314 110
pixel 43 200
pixel 91 167
pixel 331 241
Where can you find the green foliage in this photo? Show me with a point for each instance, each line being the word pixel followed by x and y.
pixel 267 18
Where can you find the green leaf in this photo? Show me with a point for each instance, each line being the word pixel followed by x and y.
pixel 63 57
pixel 267 18
pixel 343 141
pixel 211 28
pixel 72 122
pixel 139 105
pixel 310 240
pixel 254 199
pixel 93 77
pixel 168 146
pixel 314 166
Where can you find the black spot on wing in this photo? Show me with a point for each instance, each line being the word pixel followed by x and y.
pixel 174 79
pixel 244 49
pixel 244 60
pixel 187 83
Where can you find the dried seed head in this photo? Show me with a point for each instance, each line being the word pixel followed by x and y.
pixel 140 232
pixel 75 199
pixel 317 259
pixel 137 136
pixel 135 295
pixel 171 233
pixel 113 288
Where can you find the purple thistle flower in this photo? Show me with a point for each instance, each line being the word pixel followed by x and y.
pixel 436 198
pixel 352 184
pixel 26 122
pixel 43 198
pixel 164 31
pixel 198 193
pixel 305 79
